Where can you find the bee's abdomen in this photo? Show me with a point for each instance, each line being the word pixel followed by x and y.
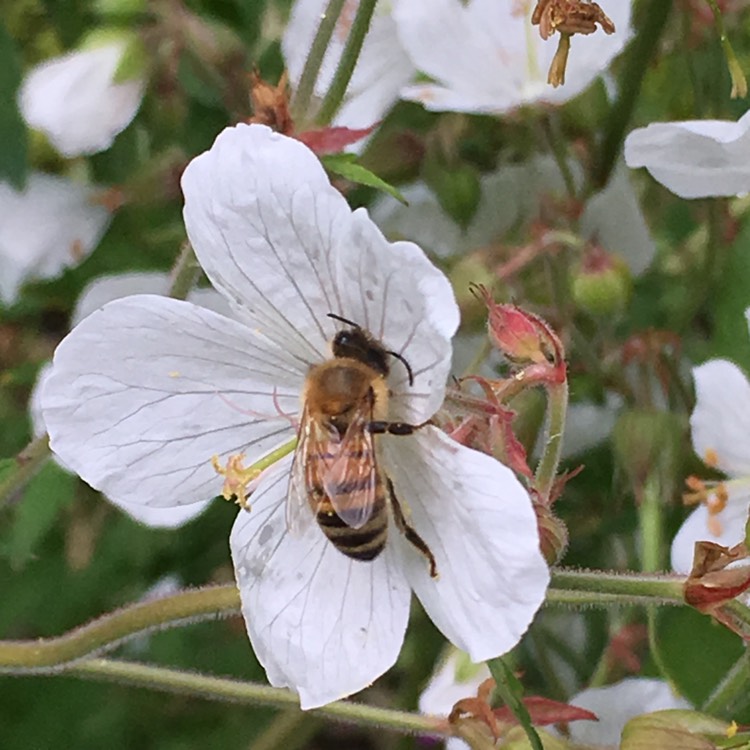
pixel 364 543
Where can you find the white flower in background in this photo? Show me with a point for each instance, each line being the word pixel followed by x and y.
pixel 146 390
pixel 616 705
pixel 454 679
pixel 382 67
pixel 486 57
pixel 51 224
pixel 100 291
pixel 76 102
pixel 696 158
pixel 722 439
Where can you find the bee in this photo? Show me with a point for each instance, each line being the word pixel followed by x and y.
pixel 335 471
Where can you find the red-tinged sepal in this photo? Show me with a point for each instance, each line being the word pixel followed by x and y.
pixel 334 139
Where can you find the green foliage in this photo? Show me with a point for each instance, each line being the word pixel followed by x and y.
pixel 13 154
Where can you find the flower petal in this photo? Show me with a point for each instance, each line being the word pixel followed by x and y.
pixel 52 224
pixel 616 704
pixel 320 623
pixel 74 100
pixel 171 384
pixel 719 420
pixel 699 526
pixel 396 293
pixel 694 159
pixel 261 202
pixel 478 522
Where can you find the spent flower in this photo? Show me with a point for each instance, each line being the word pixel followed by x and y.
pixel 175 390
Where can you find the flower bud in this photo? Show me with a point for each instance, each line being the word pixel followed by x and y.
pixel 133 63
pixel 674 729
pixel 553 533
pixel 602 285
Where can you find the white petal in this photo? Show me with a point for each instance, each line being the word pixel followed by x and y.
pixel 478 522
pixel 451 682
pixel 260 201
pixel 320 623
pixel 382 67
pixel 700 527
pixel 147 389
pixel 694 159
pixel 616 704
pixel 395 292
pixel 719 420
pixel 73 99
pixel 50 225
pixel 613 219
pixel 488 58
pixel 104 289
pixel 266 225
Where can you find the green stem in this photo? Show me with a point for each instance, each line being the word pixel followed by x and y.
pixel 739 84
pixel 732 689
pixel 184 272
pixel 347 63
pixel 305 88
pixel 546 470
pixel 650 522
pixel 48 654
pixel 236 691
pixel 642 50
pixel 27 463
pixel 621 588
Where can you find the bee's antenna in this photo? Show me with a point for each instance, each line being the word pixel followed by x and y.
pixel 343 320
pixel 402 359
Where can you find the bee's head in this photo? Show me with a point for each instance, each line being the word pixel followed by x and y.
pixel 357 343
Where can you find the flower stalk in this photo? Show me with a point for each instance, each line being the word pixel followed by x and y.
pixel 303 95
pixel 557 407
pixel 347 63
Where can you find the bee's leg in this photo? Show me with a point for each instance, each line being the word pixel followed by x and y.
pixel 394 428
pixel 409 532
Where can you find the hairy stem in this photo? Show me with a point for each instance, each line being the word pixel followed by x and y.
pixel 303 95
pixel 546 471
pixel 49 654
pixel 347 63
pixel 237 691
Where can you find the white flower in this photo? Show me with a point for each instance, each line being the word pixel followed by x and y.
pixel 74 100
pixel 454 679
pixel 615 705
pixel 486 56
pixel 100 291
pixel 172 384
pixel 696 158
pixel 51 224
pixel 722 439
pixel 381 70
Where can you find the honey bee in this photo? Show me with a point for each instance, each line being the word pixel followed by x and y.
pixel 335 471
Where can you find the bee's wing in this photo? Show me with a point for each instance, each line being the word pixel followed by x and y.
pixel 299 514
pixel 351 478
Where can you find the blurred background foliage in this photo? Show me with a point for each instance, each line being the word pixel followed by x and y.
pixel 66 556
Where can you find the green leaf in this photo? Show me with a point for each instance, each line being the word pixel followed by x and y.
pixel 695 651
pixel 346 166
pixel 510 691
pixel 51 490
pixel 13 132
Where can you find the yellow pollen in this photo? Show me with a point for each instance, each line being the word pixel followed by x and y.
pixel 174 374
pixel 732 729
pixel 711 458
pixel 236 478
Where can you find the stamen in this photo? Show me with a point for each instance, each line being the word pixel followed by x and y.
pixel 711 458
pixel 237 478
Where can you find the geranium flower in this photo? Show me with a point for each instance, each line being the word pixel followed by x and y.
pixel 615 705
pixel 695 158
pixel 486 57
pixel 145 391
pixel 100 291
pixel 76 101
pixel 720 437
pixel 51 224
pixel 381 70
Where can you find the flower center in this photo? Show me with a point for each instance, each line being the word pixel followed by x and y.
pixel 237 478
